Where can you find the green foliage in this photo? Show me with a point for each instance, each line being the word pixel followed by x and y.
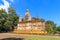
pixel 3 17
pixel 50 26
pixel 58 28
pixel 8 20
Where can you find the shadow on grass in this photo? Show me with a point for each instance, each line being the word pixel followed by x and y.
pixel 12 39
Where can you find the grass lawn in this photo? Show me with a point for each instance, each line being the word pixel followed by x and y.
pixel 41 38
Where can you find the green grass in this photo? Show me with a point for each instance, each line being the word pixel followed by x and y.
pixel 41 38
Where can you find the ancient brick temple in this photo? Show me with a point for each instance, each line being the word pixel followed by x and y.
pixel 30 23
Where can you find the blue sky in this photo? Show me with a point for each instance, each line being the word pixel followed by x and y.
pixel 46 9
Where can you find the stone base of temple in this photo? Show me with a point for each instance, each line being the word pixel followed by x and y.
pixel 30 32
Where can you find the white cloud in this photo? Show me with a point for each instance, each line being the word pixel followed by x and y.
pixel 5 5
pixel 11 0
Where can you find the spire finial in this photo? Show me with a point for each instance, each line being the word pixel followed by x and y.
pixel 27 15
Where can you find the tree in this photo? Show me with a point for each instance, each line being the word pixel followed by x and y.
pixel 3 17
pixel 12 19
pixel 8 20
pixel 58 28
pixel 50 26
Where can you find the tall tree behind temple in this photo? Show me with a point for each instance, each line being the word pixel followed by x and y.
pixel 50 26
pixel 58 29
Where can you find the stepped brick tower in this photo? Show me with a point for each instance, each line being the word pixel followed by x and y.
pixel 30 24
pixel 27 15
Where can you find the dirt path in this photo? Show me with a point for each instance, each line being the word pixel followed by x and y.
pixel 11 35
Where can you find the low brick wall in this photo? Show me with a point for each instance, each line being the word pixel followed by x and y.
pixel 30 32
